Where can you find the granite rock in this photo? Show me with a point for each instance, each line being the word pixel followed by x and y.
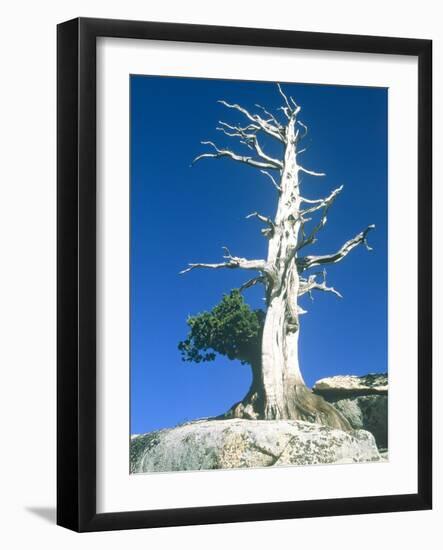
pixel 238 443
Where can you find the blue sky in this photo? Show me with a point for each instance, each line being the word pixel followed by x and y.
pixel 181 214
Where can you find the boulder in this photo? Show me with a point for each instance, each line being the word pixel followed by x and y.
pixel 337 387
pixel 363 400
pixel 238 443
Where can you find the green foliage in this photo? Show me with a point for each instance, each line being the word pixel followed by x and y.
pixel 231 328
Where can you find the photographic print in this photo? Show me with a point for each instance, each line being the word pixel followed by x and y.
pixel 244 269
pixel 259 274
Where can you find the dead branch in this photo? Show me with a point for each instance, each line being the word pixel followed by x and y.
pixel 312 261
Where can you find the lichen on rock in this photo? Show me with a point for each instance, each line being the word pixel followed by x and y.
pixel 238 443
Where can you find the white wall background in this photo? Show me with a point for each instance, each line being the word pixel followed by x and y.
pixel 27 274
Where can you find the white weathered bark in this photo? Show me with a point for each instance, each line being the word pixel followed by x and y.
pixel 280 367
pixel 278 389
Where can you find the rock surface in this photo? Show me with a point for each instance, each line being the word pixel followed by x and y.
pixel 349 385
pixel 363 400
pixel 236 443
pixel 367 412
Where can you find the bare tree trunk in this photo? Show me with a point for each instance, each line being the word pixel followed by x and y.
pixel 278 390
pixel 285 393
pixel 280 369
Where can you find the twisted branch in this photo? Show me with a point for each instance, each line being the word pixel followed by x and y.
pixel 310 284
pixel 312 261
pixel 265 126
pixel 322 203
pixel 268 231
pixel 262 218
pixel 310 172
pixel 271 177
pixel 232 262
pixel 273 164
pixel 325 204
pixel 270 115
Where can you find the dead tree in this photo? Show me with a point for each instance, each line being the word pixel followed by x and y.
pixel 278 390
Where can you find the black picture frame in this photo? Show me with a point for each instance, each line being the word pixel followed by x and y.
pixel 76 267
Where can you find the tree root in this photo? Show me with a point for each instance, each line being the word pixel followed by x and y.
pixel 301 404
